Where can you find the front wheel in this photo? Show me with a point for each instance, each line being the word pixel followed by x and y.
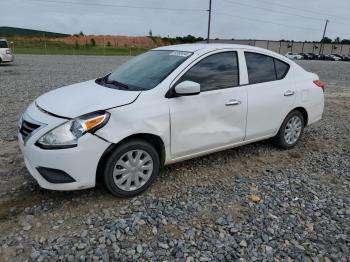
pixel 290 131
pixel 131 168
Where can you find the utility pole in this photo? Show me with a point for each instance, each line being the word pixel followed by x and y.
pixel 45 44
pixel 324 33
pixel 104 45
pixel 209 18
pixel 279 48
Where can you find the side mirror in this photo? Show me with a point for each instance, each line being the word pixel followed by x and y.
pixel 187 88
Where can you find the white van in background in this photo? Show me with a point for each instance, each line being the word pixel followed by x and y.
pixel 6 55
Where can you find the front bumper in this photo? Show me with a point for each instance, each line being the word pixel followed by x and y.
pixel 78 162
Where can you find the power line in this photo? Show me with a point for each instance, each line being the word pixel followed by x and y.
pixel 303 10
pixel 279 12
pixel 271 22
pixel 264 21
pixel 269 9
pixel 182 9
pixel 121 6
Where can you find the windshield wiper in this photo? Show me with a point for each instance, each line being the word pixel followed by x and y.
pixel 116 83
pixel 104 80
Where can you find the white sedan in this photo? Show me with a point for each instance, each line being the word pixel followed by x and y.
pixel 294 56
pixel 167 105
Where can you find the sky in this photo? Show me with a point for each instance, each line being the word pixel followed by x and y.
pixel 238 19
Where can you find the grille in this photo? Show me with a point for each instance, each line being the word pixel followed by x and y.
pixel 27 128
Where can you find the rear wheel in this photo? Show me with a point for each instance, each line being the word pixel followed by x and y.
pixel 291 130
pixel 131 168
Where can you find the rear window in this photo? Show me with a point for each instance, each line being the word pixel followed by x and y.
pixel 263 68
pixel 281 69
pixel 3 44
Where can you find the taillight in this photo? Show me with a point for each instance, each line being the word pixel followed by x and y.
pixel 319 83
pixel 8 51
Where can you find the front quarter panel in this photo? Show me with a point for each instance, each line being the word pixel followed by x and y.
pixel 149 114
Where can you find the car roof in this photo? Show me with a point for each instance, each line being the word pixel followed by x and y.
pixel 201 48
pixel 3 39
pixel 207 47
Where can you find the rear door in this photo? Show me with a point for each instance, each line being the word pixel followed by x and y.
pixel 271 94
pixel 217 116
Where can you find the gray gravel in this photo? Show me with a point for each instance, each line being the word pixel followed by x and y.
pixel 253 203
pixel 31 75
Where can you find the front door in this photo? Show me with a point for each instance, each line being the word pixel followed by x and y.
pixel 217 116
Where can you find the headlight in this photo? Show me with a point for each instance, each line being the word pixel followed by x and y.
pixel 67 134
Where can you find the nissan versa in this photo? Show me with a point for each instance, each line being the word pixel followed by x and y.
pixel 167 105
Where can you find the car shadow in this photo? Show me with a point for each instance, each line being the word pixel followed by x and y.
pixel 6 64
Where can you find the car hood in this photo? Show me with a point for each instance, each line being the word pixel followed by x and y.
pixel 82 98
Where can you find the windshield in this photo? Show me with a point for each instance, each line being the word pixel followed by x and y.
pixel 146 71
pixel 3 44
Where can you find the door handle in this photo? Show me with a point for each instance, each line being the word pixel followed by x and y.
pixel 289 93
pixel 233 102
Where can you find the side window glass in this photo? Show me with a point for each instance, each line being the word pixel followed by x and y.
pixel 281 68
pixel 3 44
pixel 260 67
pixel 215 72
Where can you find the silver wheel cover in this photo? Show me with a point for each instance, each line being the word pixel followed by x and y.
pixel 132 170
pixel 293 130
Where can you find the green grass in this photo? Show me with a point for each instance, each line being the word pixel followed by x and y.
pixel 38 47
pixel 108 51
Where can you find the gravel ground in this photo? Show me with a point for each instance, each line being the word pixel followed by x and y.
pixel 251 203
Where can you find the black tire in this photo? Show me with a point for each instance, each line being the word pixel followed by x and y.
pixel 134 144
pixel 280 139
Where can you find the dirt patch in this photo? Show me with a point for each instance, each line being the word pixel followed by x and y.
pixel 109 40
